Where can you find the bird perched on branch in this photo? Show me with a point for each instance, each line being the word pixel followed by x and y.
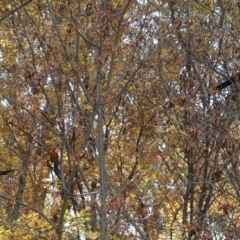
pixel 54 160
pixel 5 172
pixel 234 79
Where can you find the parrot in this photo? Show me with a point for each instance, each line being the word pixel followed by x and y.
pixel 229 82
pixel 54 160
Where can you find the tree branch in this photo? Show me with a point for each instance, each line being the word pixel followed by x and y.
pixel 14 10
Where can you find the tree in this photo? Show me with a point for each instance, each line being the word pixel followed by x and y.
pixel 148 149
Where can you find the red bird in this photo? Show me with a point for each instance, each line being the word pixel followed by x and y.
pixel 54 160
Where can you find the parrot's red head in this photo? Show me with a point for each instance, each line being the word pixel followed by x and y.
pixel 238 76
pixel 54 154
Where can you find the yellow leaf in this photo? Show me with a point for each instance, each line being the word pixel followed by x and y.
pixel 183 133
pixel 154 175
pixel 132 195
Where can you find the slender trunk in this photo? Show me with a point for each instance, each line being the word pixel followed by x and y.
pixel 99 110
pixel 22 183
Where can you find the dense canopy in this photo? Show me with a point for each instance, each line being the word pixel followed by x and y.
pixel 125 92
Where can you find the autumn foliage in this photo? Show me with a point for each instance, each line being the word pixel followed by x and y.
pixel 125 92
